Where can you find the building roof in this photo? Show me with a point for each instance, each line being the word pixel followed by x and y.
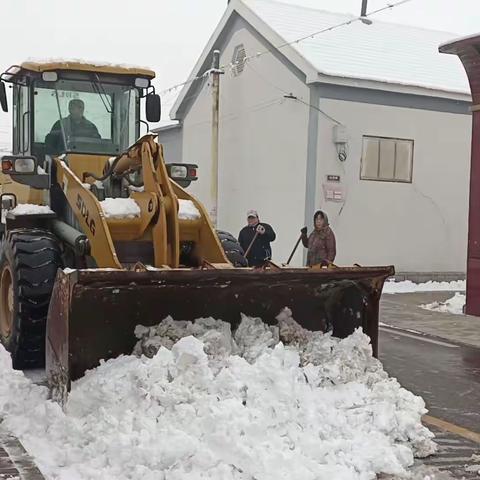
pixel 385 52
pixel 167 126
pixel 382 55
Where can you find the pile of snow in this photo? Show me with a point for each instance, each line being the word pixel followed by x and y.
pixel 31 209
pixel 212 404
pixel 409 287
pixel 187 210
pixel 120 208
pixel 453 305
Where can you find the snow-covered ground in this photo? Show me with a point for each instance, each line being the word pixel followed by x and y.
pixel 268 403
pixel 453 305
pixel 410 287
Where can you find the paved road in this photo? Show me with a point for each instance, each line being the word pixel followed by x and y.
pixel 447 376
pixel 403 311
pixel 15 463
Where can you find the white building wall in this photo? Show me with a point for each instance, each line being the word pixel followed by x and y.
pixel 262 147
pixel 420 226
pixel 171 139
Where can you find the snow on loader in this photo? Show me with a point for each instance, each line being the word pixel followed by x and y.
pixel 96 238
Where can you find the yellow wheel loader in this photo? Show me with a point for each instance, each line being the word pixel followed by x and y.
pixel 99 234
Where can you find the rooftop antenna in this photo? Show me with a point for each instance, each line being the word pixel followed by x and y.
pixel 363 14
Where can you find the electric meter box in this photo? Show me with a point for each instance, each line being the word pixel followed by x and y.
pixel 339 134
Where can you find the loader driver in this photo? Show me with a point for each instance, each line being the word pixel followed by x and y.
pixel 75 125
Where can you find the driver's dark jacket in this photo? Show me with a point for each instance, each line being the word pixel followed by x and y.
pixel 82 128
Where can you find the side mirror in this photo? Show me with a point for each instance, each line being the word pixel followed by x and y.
pixel 3 97
pixel 153 107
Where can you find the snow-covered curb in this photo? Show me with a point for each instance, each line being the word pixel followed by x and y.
pixel 216 405
pixel 453 305
pixel 408 286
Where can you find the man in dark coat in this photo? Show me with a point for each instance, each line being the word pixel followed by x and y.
pixel 75 125
pixel 260 250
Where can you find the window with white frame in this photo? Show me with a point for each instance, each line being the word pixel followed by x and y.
pixel 387 159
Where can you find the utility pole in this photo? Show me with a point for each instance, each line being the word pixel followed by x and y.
pixel 363 13
pixel 215 73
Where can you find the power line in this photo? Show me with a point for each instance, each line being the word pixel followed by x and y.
pixel 293 97
pixel 290 95
pixel 178 85
pixel 231 66
pixel 389 6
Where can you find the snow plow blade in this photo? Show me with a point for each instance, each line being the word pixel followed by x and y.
pixel 93 313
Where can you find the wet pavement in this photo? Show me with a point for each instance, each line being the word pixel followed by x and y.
pixel 15 463
pixel 445 374
pixel 456 455
pixel 435 356
pixel 403 311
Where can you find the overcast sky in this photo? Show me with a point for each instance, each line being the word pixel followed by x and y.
pixel 169 35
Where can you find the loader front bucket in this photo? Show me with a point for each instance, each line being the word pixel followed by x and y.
pixel 93 313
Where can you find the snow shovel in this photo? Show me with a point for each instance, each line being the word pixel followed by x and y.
pixel 247 251
pixel 293 251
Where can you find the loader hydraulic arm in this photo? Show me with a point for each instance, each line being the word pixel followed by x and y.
pixel 157 223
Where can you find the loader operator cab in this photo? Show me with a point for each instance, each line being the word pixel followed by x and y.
pixel 77 108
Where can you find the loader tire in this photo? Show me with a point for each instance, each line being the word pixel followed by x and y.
pixel 232 249
pixel 29 260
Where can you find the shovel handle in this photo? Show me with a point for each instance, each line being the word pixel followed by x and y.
pixel 247 251
pixel 294 250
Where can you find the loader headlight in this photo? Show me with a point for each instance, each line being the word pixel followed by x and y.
pixel 24 165
pixel 49 76
pixel 142 82
pixel 182 173
pixel 178 171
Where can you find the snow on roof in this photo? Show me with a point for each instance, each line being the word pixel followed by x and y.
pixel 454 44
pixel 385 56
pixel 166 124
pixel 384 52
